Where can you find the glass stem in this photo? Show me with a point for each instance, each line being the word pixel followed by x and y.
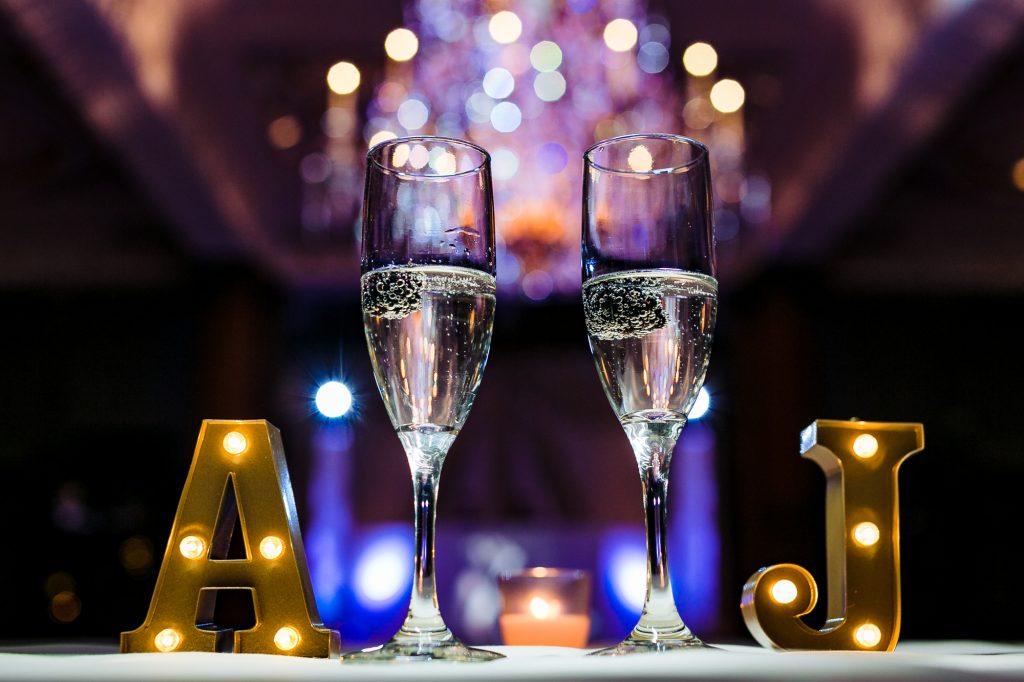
pixel 653 443
pixel 424 622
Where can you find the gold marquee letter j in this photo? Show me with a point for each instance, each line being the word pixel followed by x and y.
pixel 861 461
pixel 245 457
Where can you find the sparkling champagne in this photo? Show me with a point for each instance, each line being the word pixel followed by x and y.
pixel 650 333
pixel 429 332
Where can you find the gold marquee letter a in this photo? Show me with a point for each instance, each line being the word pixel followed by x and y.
pixel 861 461
pixel 248 457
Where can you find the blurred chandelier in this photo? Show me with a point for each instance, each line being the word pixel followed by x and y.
pixel 535 82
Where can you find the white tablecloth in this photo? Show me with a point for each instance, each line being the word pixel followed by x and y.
pixel 933 661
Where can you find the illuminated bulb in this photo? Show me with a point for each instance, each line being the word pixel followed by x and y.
pixel 784 591
pixel 620 35
pixel 866 534
pixel 343 78
pixel 271 547
pixel 167 640
pixel 640 160
pixel 700 59
pixel 286 638
pixel 539 608
pixel 401 44
pixel 865 446
pixel 505 27
pixel 235 443
pixel 868 635
pixel 381 136
pixel 727 95
pixel 192 547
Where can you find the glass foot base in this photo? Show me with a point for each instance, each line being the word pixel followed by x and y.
pixel 632 645
pixel 406 652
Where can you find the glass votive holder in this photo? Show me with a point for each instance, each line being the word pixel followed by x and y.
pixel 545 607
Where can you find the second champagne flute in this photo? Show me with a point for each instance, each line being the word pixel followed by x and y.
pixel 428 296
pixel 649 299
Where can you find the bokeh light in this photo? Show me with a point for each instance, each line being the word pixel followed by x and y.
pixel 343 78
pixel 506 117
pixel 380 136
pixel 549 86
pixel 1018 175
pixel 413 114
pixel 727 96
pixel 505 27
pixel 333 399
pixel 504 163
pixel 382 574
pixel 652 57
pixel 640 159
pixel 701 405
pixel 284 132
pixel 700 59
pixel 499 83
pixel 401 45
pixel 620 35
pixel 546 56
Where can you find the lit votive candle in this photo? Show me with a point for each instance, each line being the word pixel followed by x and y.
pixel 545 607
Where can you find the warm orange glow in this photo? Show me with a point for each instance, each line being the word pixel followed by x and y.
pixel 865 446
pixel 167 640
pixel 784 591
pixel 271 547
pixel 235 443
pixel 192 547
pixel 866 534
pixel 640 160
pixel 284 132
pixel 382 136
pixel 286 638
pixel 1018 175
pixel 868 635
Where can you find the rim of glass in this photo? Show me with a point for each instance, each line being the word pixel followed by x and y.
pixel 485 158
pixel 702 153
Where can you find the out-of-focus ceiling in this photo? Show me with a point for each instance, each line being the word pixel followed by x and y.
pixel 842 96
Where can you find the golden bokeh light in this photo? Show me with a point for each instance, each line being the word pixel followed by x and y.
pixel 286 638
pixel 235 443
pixel 865 446
pixel 343 78
pixel 167 639
pixel 700 59
pixel 505 27
pixel 1018 175
pixel 868 635
pixel 382 136
pixel 401 45
pixel 727 96
pixel 866 534
pixel 271 547
pixel 784 591
pixel 65 607
pixel 540 608
pixel 620 35
pixel 284 132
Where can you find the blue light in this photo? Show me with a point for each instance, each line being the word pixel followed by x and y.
pixel 701 405
pixel 383 571
pixel 623 565
pixel 333 399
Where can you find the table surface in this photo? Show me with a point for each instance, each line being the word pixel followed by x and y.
pixel 932 661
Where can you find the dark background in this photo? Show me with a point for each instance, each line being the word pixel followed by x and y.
pixel 892 289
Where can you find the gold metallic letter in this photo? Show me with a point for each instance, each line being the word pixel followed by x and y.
pixel 861 461
pixel 248 456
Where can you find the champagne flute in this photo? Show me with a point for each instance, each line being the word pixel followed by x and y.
pixel 428 295
pixel 650 298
